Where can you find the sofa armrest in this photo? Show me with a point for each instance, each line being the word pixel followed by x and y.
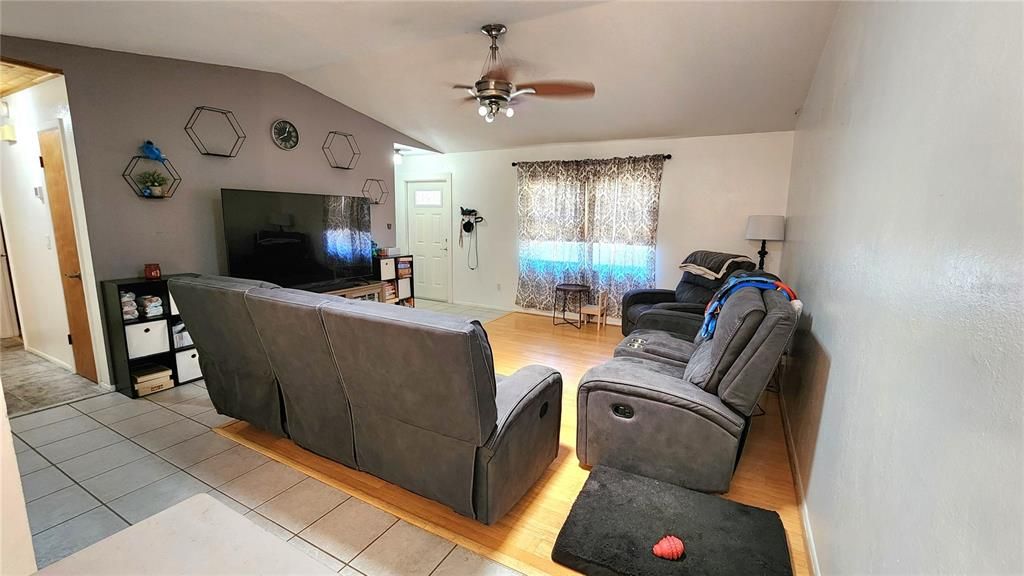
pixel 646 296
pixel 634 417
pixel 686 325
pixel 524 441
pixel 633 377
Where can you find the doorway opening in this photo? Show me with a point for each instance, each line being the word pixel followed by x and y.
pixel 50 332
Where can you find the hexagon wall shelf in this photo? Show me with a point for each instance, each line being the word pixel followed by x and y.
pixel 341 150
pixel 215 132
pixel 376 190
pixel 133 165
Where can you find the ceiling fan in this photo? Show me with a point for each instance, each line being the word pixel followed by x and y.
pixel 496 92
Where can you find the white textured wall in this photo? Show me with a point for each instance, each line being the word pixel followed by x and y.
pixel 905 242
pixel 16 554
pixel 30 246
pixel 708 189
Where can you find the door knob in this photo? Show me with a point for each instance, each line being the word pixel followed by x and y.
pixel 74 275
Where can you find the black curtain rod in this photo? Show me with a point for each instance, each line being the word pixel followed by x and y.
pixel 666 156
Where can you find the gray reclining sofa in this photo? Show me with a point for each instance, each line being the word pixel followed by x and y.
pixel 407 395
pixel 676 410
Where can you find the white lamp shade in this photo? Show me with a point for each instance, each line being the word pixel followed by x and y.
pixel 766 227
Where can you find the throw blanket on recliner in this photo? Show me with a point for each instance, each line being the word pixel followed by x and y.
pixel 715 265
pixel 733 284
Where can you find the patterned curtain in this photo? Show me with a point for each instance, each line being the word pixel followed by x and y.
pixel 347 240
pixel 591 222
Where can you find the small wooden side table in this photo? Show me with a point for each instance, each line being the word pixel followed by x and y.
pixel 567 291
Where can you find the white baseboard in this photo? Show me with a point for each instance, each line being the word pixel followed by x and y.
pixel 49 358
pixel 487 306
pixel 801 495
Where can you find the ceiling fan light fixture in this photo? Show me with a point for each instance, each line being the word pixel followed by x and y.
pixel 496 90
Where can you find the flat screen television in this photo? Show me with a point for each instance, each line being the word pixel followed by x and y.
pixel 309 241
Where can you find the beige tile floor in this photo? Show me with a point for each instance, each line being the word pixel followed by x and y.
pixel 472 312
pixel 93 467
pixel 32 383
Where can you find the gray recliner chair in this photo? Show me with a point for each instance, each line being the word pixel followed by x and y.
pixel 429 414
pixel 235 367
pixel 682 417
pixel 681 310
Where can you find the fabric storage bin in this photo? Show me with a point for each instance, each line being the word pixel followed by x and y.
pixel 147 338
pixel 387 269
pixel 188 365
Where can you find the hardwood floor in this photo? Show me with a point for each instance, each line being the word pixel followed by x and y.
pixel 524 538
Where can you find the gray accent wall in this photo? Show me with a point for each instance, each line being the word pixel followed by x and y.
pixel 905 240
pixel 118 100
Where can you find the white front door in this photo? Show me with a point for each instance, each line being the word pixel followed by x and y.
pixel 429 217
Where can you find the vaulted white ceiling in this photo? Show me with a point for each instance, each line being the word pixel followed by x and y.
pixel 661 68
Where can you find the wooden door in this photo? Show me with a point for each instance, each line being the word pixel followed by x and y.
pixel 429 215
pixel 58 196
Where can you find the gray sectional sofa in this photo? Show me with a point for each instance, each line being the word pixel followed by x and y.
pixel 676 410
pixel 407 395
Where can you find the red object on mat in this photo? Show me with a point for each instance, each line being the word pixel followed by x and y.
pixel 670 548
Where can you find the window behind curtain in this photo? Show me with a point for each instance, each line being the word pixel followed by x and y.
pixel 592 222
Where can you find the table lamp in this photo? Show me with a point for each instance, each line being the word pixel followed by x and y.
pixel 765 228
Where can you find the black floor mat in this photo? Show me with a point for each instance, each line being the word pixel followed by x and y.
pixel 618 517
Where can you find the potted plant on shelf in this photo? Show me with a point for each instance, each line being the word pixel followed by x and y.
pixel 152 182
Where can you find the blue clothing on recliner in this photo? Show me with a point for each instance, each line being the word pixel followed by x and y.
pixel 734 283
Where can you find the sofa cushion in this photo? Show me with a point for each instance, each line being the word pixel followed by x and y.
pixel 316 404
pixel 657 345
pixel 746 379
pixel 738 320
pixel 634 312
pixel 427 369
pixel 687 291
pixel 422 390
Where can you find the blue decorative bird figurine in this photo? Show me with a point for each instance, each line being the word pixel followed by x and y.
pixel 149 150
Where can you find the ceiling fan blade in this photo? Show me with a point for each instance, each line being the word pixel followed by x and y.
pixel 560 89
pixel 469 99
pixel 461 87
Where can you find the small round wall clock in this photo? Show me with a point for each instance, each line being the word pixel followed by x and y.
pixel 284 134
